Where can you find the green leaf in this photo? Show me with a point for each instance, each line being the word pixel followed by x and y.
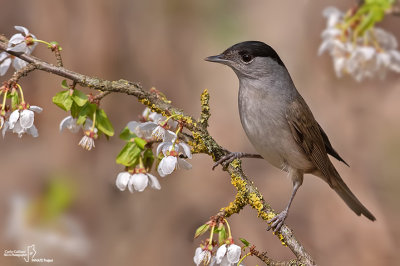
pixel 79 98
pixel 14 100
pixel 103 124
pixel 126 134
pixel 75 110
pixel 81 119
pixel 65 85
pixel 141 143
pixel 201 230
pixel 63 100
pixel 86 111
pixel 148 158
pixel 222 235
pixel 245 242
pixel 129 155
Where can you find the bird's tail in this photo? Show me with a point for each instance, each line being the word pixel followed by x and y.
pixel 344 192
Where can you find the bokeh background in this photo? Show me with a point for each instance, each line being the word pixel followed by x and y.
pixel 163 43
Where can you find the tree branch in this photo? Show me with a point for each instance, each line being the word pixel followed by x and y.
pixel 201 142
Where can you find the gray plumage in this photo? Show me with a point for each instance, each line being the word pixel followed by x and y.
pixel 279 124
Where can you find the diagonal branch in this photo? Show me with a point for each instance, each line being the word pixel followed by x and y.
pixel 201 141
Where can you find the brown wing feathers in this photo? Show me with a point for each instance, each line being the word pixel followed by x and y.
pixel 315 144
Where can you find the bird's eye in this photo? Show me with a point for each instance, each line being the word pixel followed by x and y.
pixel 246 58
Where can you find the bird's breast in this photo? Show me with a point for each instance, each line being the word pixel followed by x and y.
pixel 263 118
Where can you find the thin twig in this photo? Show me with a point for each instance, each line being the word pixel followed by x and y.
pixel 22 73
pixel 101 95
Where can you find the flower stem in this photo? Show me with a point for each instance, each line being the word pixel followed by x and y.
pixel 240 261
pixel 141 165
pixel 4 101
pixel 229 229
pixel 40 41
pixel 211 235
pixel 168 118
pixel 21 92
pixel 177 132
pixel 94 122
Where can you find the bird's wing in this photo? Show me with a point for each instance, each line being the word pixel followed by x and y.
pixel 307 134
pixel 313 140
pixel 328 146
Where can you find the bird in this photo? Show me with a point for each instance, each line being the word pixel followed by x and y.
pixel 280 125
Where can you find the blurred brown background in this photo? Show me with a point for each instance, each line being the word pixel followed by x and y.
pixel 162 43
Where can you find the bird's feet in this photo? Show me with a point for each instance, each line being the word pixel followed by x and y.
pixel 277 222
pixel 228 158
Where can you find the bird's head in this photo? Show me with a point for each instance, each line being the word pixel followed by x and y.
pixel 251 59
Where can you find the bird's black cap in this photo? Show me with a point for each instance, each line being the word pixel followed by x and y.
pixel 255 49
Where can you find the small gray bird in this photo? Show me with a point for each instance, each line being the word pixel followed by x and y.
pixel 279 123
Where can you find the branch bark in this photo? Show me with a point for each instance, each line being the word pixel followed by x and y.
pixel 201 142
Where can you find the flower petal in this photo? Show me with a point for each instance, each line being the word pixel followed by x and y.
pixel 19 63
pixel 186 149
pixel 13 118
pixel 22 29
pixel 19 48
pixel 163 146
pixel 65 122
pixel 36 109
pixel 233 254
pixel 196 257
pixel 16 39
pixel 183 164
pixel 132 125
pixel 18 129
pixel 145 129
pixel 156 117
pixel 27 118
pixel 4 66
pixel 33 131
pixel 220 253
pixel 169 136
pixel 339 64
pixel 122 180
pixel 5 128
pixel 3 55
pixel 172 124
pixel 139 181
pixel 167 165
pixel 154 181
pixel 146 112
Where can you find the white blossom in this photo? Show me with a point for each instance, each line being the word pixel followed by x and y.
pixel 87 141
pixel 70 123
pixel 22 43
pixel 17 43
pixel 172 160
pixel 203 256
pixel 228 254
pixel 21 121
pixel 136 182
pixel 154 126
pixel 365 57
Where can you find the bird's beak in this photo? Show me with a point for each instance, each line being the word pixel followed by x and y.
pixel 217 59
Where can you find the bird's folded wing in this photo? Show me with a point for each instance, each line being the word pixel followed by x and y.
pixel 307 134
pixel 328 146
